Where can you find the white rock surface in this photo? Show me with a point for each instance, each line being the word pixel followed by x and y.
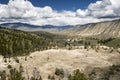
pixel 47 61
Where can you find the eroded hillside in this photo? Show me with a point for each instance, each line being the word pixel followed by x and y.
pixel 101 29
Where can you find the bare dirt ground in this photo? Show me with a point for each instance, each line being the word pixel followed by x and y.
pixel 47 61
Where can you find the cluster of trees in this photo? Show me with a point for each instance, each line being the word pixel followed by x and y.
pixel 104 41
pixel 77 75
pixel 14 74
pixel 112 73
pixel 17 74
pixel 59 74
pixel 15 42
pixel 91 42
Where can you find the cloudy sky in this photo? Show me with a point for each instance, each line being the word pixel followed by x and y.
pixel 58 12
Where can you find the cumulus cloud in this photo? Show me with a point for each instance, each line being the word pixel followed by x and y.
pixel 105 8
pixel 23 11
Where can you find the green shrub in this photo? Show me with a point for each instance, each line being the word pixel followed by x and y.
pixel 77 75
pixel 17 60
pixel 59 72
pixel 5 60
pixel 9 66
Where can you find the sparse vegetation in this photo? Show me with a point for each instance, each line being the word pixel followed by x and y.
pixel 36 75
pixel 15 74
pixel 59 72
pixel 111 72
pixel 51 77
pixel 77 75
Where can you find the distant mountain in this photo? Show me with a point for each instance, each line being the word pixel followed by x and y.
pixel 29 27
pixel 100 29
pixel 104 29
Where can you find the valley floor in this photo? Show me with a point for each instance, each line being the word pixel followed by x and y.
pixel 47 61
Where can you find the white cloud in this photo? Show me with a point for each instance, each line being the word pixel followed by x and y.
pixel 82 13
pixel 105 8
pixel 23 11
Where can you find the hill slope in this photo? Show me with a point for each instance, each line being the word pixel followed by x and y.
pixel 101 29
pixel 15 42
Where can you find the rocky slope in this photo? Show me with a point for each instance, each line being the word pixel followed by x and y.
pixel 101 29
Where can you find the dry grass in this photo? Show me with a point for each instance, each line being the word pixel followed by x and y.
pixel 47 61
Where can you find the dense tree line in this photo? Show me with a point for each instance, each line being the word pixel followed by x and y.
pixel 15 42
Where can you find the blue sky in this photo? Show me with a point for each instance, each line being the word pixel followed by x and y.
pixel 64 4
pixel 58 12
pixel 60 4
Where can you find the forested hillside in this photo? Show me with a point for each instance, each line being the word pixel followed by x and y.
pixel 15 42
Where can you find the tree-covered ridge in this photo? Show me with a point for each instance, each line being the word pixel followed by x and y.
pixel 15 42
